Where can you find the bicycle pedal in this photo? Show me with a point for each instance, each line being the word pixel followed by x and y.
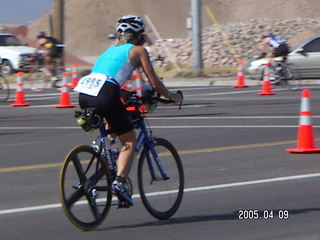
pixel 123 205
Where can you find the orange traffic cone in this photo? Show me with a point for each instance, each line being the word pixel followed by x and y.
pixel 305 134
pixel 266 85
pixel 136 83
pixel 64 96
pixel 126 86
pixel 74 78
pixel 20 99
pixel 240 76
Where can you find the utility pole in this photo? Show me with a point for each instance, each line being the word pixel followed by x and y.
pixel 196 37
pixel 50 22
pixel 58 23
pixel 58 19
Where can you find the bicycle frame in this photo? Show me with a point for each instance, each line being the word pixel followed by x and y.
pixel 143 140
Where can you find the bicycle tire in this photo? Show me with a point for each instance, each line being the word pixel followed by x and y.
pixel 4 89
pixel 85 187
pixel 161 197
pixel 37 80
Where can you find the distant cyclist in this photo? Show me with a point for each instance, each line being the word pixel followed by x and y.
pixel 278 44
pixel 101 90
pixel 52 52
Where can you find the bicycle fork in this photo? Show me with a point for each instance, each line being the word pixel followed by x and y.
pixel 164 175
pixel 153 159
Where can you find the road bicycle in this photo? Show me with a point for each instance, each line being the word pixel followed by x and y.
pixel 281 74
pixel 4 88
pixel 89 170
pixel 38 77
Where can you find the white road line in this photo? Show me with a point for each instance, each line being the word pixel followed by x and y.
pixel 38 128
pixel 162 127
pixel 19 144
pixel 193 189
pixel 231 117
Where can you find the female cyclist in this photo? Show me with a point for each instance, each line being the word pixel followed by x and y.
pixel 110 72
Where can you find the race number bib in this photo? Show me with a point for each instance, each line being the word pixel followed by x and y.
pixel 91 84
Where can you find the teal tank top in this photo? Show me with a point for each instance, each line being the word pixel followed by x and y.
pixel 114 63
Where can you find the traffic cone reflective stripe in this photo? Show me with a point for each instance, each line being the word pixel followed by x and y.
pixel 305 142
pixel 266 85
pixel 126 86
pixel 20 98
pixel 74 78
pixel 64 96
pixel 136 84
pixel 240 76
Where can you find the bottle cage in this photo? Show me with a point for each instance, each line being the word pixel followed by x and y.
pixel 91 118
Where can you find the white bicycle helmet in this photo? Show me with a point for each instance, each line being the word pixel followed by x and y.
pixel 131 23
pixel 267 34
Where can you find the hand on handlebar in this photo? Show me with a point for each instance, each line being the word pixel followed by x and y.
pixel 176 97
pixel 160 58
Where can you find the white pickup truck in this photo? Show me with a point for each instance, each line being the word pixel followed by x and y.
pixel 14 54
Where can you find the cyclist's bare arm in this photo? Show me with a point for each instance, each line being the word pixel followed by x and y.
pixel 264 46
pixel 38 47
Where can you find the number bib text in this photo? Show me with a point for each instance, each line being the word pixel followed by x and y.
pixel 91 84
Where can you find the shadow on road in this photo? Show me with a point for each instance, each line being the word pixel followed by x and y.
pixel 206 218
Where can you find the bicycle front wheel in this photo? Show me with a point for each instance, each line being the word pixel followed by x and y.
pixel 37 80
pixel 85 187
pixel 4 89
pixel 161 185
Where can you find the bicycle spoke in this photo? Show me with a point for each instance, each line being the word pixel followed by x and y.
pixel 93 206
pixel 79 169
pixel 74 197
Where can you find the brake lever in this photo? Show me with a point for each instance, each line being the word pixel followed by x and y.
pixel 171 101
pixel 181 94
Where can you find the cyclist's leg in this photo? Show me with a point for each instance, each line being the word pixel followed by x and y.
pixel 128 141
pixel 109 104
pixel 286 71
pixel 270 57
pixel 124 162
pixel 48 63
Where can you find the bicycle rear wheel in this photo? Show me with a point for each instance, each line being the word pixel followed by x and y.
pixel 4 89
pixel 161 196
pixel 85 187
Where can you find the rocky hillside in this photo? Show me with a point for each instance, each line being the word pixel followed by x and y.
pixel 87 22
pixel 244 38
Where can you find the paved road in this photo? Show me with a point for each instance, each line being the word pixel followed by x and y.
pixel 232 142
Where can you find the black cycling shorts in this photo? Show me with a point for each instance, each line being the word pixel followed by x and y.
pixel 282 50
pixel 55 52
pixel 108 104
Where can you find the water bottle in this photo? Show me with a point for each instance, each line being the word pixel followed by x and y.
pixel 80 118
pixel 82 121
